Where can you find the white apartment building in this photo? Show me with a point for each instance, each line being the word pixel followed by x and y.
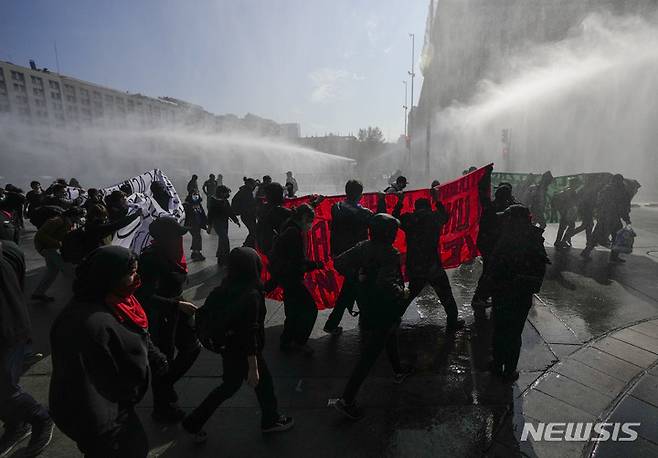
pixel 39 96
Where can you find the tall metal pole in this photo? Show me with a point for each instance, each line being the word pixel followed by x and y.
pixel 406 107
pixel 412 73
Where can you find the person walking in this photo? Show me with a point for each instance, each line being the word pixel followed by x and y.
pixel 48 241
pixel 163 272
pixel 209 186
pixel 244 205
pixel 21 414
pixel 288 266
pixel 195 221
pixel 348 226
pixel 382 300
pixel 219 213
pixel 241 293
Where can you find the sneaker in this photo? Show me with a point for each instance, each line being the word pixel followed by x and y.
pixel 456 326
pixel 400 377
pixel 201 257
pixel 12 437
pixel 42 434
pixel 281 424
pixel 335 331
pixel 32 358
pixel 586 253
pixel 42 298
pixel 169 414
pixel 351 411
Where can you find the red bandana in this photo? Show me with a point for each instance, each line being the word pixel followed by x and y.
pixel 128 308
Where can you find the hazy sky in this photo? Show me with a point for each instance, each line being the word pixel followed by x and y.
pixel 332 65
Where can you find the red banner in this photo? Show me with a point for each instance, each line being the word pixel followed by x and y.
pixel 458 236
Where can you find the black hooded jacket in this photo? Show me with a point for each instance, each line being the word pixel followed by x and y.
pixel 349 226
pixel 243 292
pixel 14 318
pixel 100 365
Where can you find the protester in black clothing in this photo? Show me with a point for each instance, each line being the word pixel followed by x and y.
pixel 516 271
pixel 117 205
pixel 74 183
pixel 94 197
pixel 160 194
pixel 260 190
pixel 288 266
pixel 195 220
pixel 398 186
pixel 244 204
pixel 242 292
pixel 566 204
pixel 219 212
pixel 14 202
pixel 290 191
pixel 163 271
pixel 34 198
pixel 101 354
pixel 382 300
pixel 348 226
pixel 220 179
pixel 193 185
pixel 19 412
pixel 98 229
pixel 209 186
pixel 271 218
pixel 536 199
pixel 422 228
pixel 613 205
pixel 489 233
pixel 57 196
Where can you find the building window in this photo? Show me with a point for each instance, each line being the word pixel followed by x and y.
pixel 36 81
pixel 39 102
pixel 3 88
pixel 22 99
pixel 56 95
pixel 17 76
pixel 38 92
pixel 19 87
pixel 2 75
pixel 57 105
pixel 54 85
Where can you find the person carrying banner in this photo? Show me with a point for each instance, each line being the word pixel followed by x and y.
pixel 195 220
pixel 382 300
pixel 241 291
pixel 422 228
pixel 163 273
pixel 348 226
pixel 244 205
pixel 516 271
pixel 399 185
pixel 219 212
pixel 489 233
pixel 288 266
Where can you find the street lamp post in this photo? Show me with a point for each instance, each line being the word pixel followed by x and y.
pixel 406 107
pixel 412 73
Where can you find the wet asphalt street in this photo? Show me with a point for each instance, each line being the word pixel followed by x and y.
pixel 580 360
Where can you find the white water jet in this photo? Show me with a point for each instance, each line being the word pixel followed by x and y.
pixel 585 103
pixel 101 156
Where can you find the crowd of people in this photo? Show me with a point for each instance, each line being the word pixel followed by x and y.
pixel 128 326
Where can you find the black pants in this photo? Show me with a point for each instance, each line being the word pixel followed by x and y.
pixel 249 222
pixel 587 224
pixel 174 335
pixel 478 295
pixel 235 372
pixel 301 312
pixel 374 341
pixel 565 229
pixel 129 441
pixel 16 406
pixel 441 284
pixel 223 246
pixel 606 228
pixel 195 231
pixel 510 311
pixel 345 301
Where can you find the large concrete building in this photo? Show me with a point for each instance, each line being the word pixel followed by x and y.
pixel 42 97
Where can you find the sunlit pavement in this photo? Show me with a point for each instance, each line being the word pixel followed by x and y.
pixel 590 346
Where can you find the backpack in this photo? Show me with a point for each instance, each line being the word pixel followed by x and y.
pixel 624 239
pixel 73 246
pixel 213 322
